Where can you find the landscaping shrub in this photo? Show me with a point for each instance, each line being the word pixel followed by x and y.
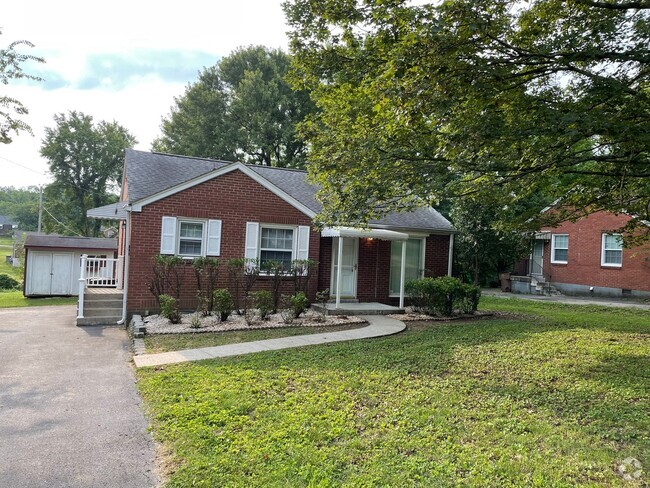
pixel 276 270
pixel 468 298
pixel 206 271
pixel 8 283
pixel 167 276
pixel 297 303
pixel 223 303
pixel 322 297
pixel 301 270
pixel 169 308
pixel 440 296
pixel 263 302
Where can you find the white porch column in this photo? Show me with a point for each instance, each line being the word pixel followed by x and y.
pixel 82 286
pixel 338 272
pixel 451 254
pixel 402 275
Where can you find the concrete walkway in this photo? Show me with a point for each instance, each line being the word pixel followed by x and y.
pixel 603 302
pixel 379 326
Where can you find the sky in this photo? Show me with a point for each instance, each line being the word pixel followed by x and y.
pixel 120 60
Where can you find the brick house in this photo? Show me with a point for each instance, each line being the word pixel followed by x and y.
pixel 586 257
pixel 200 207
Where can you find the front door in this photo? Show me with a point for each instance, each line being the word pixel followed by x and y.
pixel 348 266
pixel 537 258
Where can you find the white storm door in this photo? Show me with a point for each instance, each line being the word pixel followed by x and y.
pixel 62 273
pixel 348 266
pixel 40 279
pixel 537 261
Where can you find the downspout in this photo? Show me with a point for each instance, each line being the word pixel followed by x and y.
pixel 451 254
pixel 127 260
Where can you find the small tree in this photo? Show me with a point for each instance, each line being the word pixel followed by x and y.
pixel 167 276
pixel 206 271
pixel 301 270
pixel 235 272
pixel 277 272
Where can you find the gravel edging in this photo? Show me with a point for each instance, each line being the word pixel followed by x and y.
pixel 420 317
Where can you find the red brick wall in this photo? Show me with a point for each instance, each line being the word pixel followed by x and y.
pixel 374 266
pixel 584 268
pixel 235 199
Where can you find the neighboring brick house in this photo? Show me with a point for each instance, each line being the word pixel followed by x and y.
pixel 199 207
pixel 586 257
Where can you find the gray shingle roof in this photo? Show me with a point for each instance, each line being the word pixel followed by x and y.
pixel 150 173
pixel 35 240
pixel 112 211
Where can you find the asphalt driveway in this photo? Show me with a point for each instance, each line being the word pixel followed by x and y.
pixel 70 415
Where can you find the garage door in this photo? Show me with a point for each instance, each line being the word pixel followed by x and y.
pixel 49 273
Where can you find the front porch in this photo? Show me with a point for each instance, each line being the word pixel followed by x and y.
pixel 364 308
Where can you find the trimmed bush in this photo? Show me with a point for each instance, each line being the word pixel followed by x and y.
pixel 169 308
pixel 8 283
pixel 263 302
pixel 223 303
pixel 298 303
pixel 468 298
pixel 440 296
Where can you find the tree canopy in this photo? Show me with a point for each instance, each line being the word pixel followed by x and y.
pixel 21 205
pixel 11 68
pixel 240 109
pixel 86 160
pixel 499 98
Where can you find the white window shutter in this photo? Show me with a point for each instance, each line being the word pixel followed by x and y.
pixel 214 238
pixel 252 240
pixel 168 236
pixel 302 245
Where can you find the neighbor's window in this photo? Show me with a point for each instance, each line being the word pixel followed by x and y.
pixel 276 244
pixel 612 253
pixel 190 238
pixel 560 248
pixel 414 263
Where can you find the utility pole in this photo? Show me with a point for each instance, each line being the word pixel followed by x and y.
pixel 40 209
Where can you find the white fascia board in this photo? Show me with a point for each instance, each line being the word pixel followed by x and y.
pixel 415 231
pixel 137 206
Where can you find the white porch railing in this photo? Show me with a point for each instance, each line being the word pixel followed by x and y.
pixel 99 273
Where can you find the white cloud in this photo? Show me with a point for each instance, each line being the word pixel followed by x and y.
pixel 107 46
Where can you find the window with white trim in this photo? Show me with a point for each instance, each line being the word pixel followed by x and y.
pixel 560 249
pixel 612 250
pixel 414 268
pixel 276 244
pixel 190 238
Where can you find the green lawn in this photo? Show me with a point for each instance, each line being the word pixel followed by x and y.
pixel 10 299
pixel 176 342
pixel 550 396
pixel 6 249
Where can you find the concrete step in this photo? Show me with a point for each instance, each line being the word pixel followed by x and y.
pixel 88 304
pixel 107 320
pixel 102 312
pixel 344 300
pixel 104 297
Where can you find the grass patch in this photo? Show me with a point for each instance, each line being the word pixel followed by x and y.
pixel 555 396
pixel 6 249
pixel 11 299
pixel 176 342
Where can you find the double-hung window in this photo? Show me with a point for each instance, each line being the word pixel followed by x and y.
pixel 560 249
pixel 612 250
pixel 414 268
pixel 276 244
pixel 190 238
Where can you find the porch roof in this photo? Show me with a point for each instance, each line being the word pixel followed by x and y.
pixel 386 235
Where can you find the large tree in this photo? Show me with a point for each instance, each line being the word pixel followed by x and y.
pixel 21 204
pixel 11 68
pixel 498 97
pixel 240 109
pixel 86 160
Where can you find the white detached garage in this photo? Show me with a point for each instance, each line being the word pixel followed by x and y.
pixel 53 263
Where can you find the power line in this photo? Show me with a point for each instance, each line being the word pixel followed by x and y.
pixel 43 173
pixel 61 223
